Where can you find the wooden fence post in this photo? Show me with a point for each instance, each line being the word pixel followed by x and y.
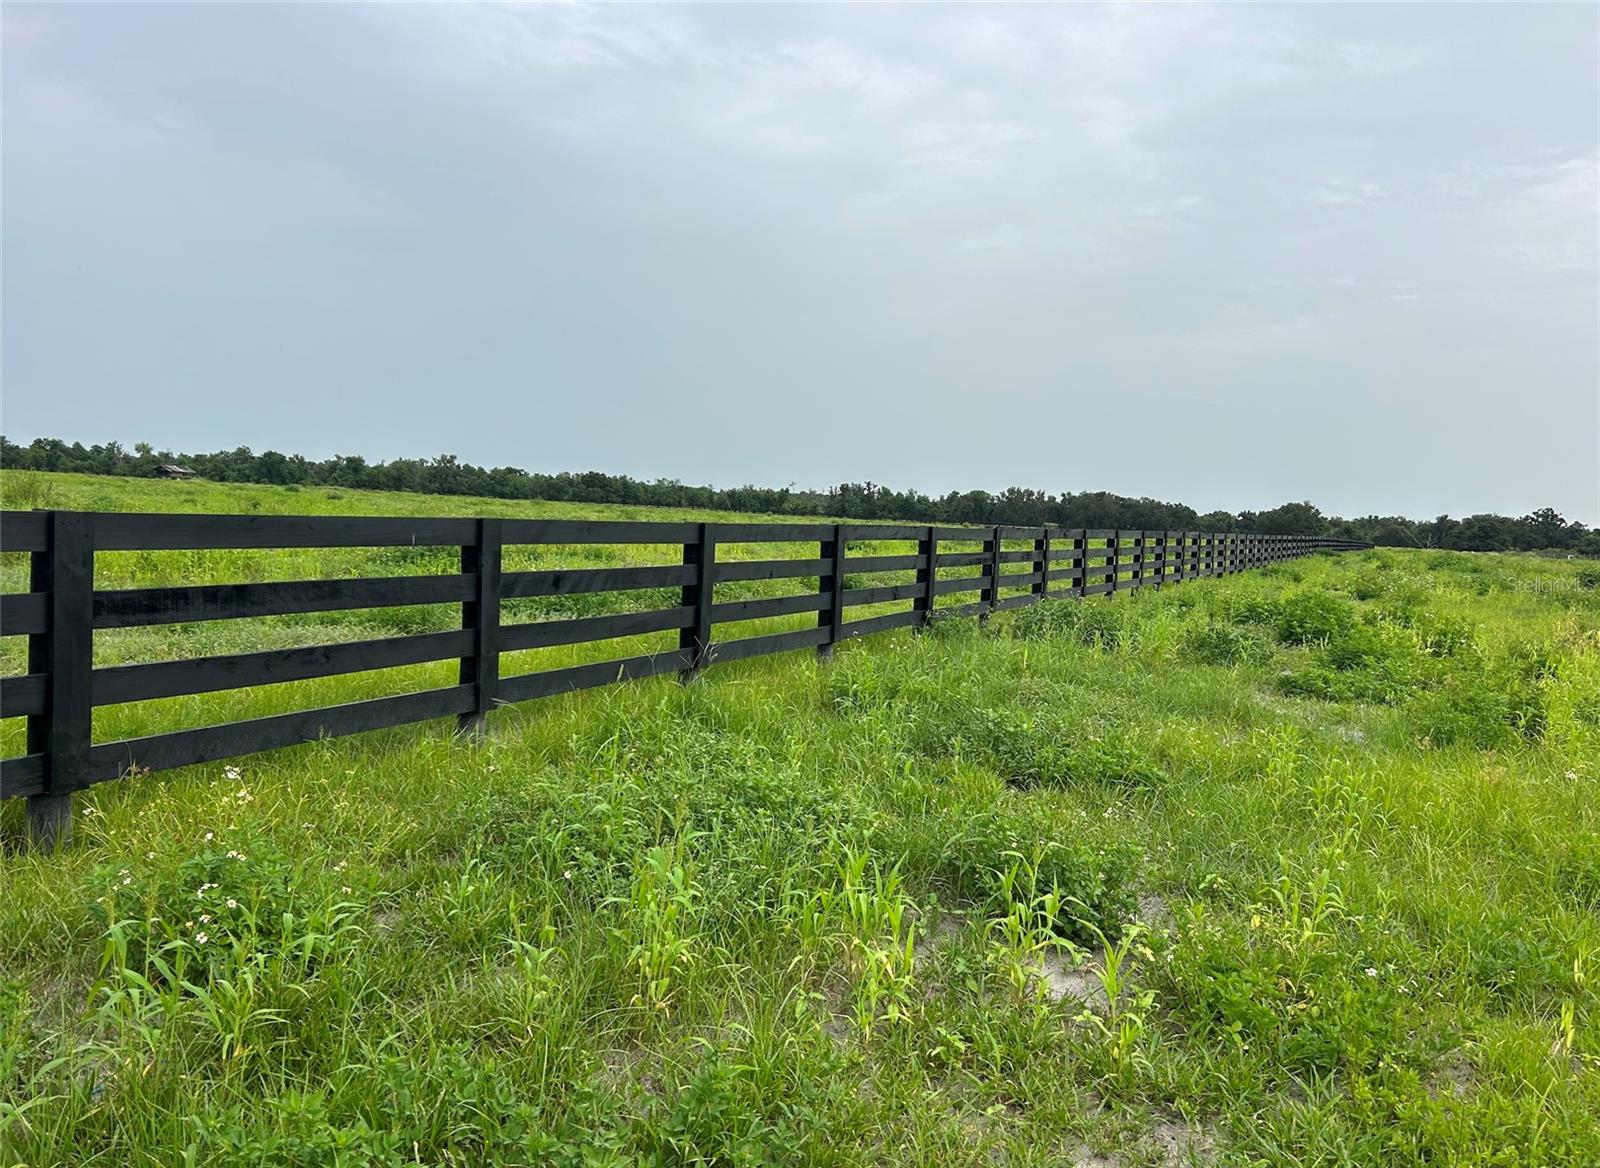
pixel 481 615
pixel 1113 561
pixel 928 577
pixel 1041 552
pixel 1082 540
pixel 831 585
pixel 696 639
pixel 65 652
pixel 990 596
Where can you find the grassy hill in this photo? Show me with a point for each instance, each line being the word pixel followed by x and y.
pixel 1297 867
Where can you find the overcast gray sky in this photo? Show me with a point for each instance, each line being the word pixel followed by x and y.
pixel 1224 255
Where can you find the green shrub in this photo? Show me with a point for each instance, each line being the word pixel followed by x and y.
pixel 1093 864
pixel 1302 1001
pixel 1224 644
pixel 1495 950
pixel 214 911
pixel 1042 622
pixel 1368 586
pixel 1355 648
pixel 1577 873
pixel 1094 622
pixel 1112 757
pixel 1328 684
pixel 1444 636
pixel 1251 610
pixel 1589 576
pixel 1037 748
pixel 1492 705
pixel 1306 617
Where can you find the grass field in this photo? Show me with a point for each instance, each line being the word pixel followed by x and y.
pixel 1297 867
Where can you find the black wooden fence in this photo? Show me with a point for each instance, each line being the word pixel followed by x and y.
pixel 62 609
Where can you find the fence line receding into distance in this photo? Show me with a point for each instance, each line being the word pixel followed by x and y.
pixel 62 609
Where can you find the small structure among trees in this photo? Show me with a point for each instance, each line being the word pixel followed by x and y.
pixel 167 470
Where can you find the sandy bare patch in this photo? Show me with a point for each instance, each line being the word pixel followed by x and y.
pixel 1453 1074
pixel 936 934
pixel 1063 978
pixel 1181 1144
pixel 1154 911
pixel 1086 1157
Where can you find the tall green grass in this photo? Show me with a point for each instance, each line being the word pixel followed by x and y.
pixel 1297 867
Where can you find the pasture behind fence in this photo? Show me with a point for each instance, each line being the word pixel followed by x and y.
pixel 62 610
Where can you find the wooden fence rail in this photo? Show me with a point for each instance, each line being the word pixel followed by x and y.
pixel 62 609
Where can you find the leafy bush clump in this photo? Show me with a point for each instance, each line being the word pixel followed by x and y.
pixel 1220 644
pixel 1252 610
pixel 1307 617
pixel 1589 576
pixel 1356 648
pixel 1295 982
pixel 1496 704
pixel 215 910
pixel 1365 587
pixel 1043 622
pixel 1114 758
pixel 1443 636
pixel 1577 873
pixel 1100 624
pixel 1092 865
pixel 457 1106
pixel 1334 685
pixel 1496 950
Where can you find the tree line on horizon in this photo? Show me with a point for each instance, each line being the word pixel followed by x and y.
pixel 1542 530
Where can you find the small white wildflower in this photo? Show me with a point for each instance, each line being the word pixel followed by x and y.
pixel 149 855
pixel 232 773
pixel 1371 972
pixel 232 903
pixel 127 879
pixel 208 837
pixel 200 938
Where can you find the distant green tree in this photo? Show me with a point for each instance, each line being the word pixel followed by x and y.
pixel 1291 519
pixel 1483 533
pixel 1547 529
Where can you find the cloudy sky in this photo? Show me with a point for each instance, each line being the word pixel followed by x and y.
pixel 1228 255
